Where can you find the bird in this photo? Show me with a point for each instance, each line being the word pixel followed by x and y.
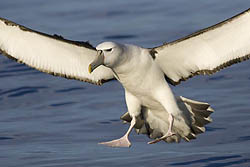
pixel 145 73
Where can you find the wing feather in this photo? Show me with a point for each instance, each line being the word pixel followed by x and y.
pixel 51 54
pixel 206 51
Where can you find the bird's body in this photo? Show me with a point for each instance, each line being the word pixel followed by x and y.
pixel 145 80
pixel 147 92
pixel 144 73
pixel 142 80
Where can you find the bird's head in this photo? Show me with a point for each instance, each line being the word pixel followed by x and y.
pixel 108 54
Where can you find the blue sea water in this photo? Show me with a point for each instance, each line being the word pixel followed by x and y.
pixel 48 121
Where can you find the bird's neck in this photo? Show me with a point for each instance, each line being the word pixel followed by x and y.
pixel 131 66
pixel 128 60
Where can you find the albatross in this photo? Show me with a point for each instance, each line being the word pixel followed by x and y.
pixel 145 73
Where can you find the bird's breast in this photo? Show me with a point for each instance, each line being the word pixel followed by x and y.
pixel 143 85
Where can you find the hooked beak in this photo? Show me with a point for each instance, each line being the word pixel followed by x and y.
pixel 99 60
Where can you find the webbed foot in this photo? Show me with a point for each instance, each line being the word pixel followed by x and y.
pixel 122 142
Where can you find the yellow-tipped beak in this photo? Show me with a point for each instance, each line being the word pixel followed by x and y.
pixel 99 60
pixel 90 69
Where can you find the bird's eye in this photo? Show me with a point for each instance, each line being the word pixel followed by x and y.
pixel 109 50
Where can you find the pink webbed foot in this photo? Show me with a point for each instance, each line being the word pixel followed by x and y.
pixel 122 142
pixel 169 134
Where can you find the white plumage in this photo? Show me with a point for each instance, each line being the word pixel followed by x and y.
pixel 208 50
pixel 51 54
pixel 144 73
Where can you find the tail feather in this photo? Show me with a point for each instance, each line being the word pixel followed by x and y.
pixel 195 104
pixel 200 113
pixel 201 121
pixel 203 113
pixel 198 130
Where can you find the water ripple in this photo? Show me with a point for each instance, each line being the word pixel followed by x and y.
pixel 62 104
pixel 210 159
pixel 69 89
pixel 20 74
pixel 109 121
pixel 115 13
pixel 15 70
pixel 223 164
pixel 243 138
pixel 5 138
pixel 21 91
pixel 217 78
pixel 211 129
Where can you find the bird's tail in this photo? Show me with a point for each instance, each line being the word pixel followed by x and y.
pixel 187 125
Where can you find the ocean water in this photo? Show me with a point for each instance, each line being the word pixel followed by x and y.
pixel 48 121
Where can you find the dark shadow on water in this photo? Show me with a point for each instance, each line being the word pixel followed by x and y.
pixel 115 37
pixel 15 65
pixel 15 70
pixel 212 129
pixel 6 138
pixel 109 121
pixel 244 138
pixel 223 164
pixel 115 120
pixel 69 89
pixel 216 78
pixel 20 74
pixel 105 122
pixel 62 104
pixel 211 159
pixel 21 91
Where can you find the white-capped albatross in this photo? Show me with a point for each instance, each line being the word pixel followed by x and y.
pixel 153 109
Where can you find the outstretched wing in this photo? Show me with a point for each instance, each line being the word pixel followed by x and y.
pixel 206 51
pixel 50 54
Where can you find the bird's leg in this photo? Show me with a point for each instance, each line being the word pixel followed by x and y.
pixel 169 133
pixel 123 141
pixel 166 97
